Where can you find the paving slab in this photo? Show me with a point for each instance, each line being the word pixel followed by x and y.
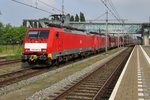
pixel 134 82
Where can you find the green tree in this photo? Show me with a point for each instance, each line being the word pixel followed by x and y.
pixel 12 35
pixel 1 25
pixel 72 18
pixel 67 18
pixel 21 31
pixel 1 28
pixel 68 15
pixel 82 18
pixel 6 34
pixel 76 18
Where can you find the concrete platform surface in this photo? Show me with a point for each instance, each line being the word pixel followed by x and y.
pixel 134 82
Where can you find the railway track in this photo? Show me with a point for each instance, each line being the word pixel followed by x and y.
pixel 97 85
pixel 13 77
pixel 2 59
pixel 7 62
pixel 10 78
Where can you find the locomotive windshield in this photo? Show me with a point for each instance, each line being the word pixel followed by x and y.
pixel 38 34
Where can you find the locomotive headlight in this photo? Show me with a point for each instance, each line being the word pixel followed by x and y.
pixel 50 56
pixel 27 50
pixel 43 50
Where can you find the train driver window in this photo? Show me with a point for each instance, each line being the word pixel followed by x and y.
pixel 57 35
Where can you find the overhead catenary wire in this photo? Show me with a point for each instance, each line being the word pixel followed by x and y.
pixel 114 15
pixel 113 8
pixel 100 16
pixel 54 8
pixel 110 10
pixel 35 7
pixel 114 19
pixel 110 7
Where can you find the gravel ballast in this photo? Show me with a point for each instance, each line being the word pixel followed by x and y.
pixel 61 85
pixel 25 88
pixel 23 83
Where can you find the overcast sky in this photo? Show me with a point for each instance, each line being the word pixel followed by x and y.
pixel 14 13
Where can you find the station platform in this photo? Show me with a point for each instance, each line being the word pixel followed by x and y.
pixel 134 81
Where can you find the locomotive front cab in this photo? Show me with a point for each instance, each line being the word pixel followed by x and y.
pixel 36 46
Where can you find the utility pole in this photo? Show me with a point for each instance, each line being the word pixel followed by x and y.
pixel 62 7
pixel 118 40
pixel 106 31
pixel 123 31
pixel 63 16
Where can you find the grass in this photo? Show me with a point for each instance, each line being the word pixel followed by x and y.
pixel 11 51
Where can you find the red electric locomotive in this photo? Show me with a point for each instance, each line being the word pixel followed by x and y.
pixel 45 45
